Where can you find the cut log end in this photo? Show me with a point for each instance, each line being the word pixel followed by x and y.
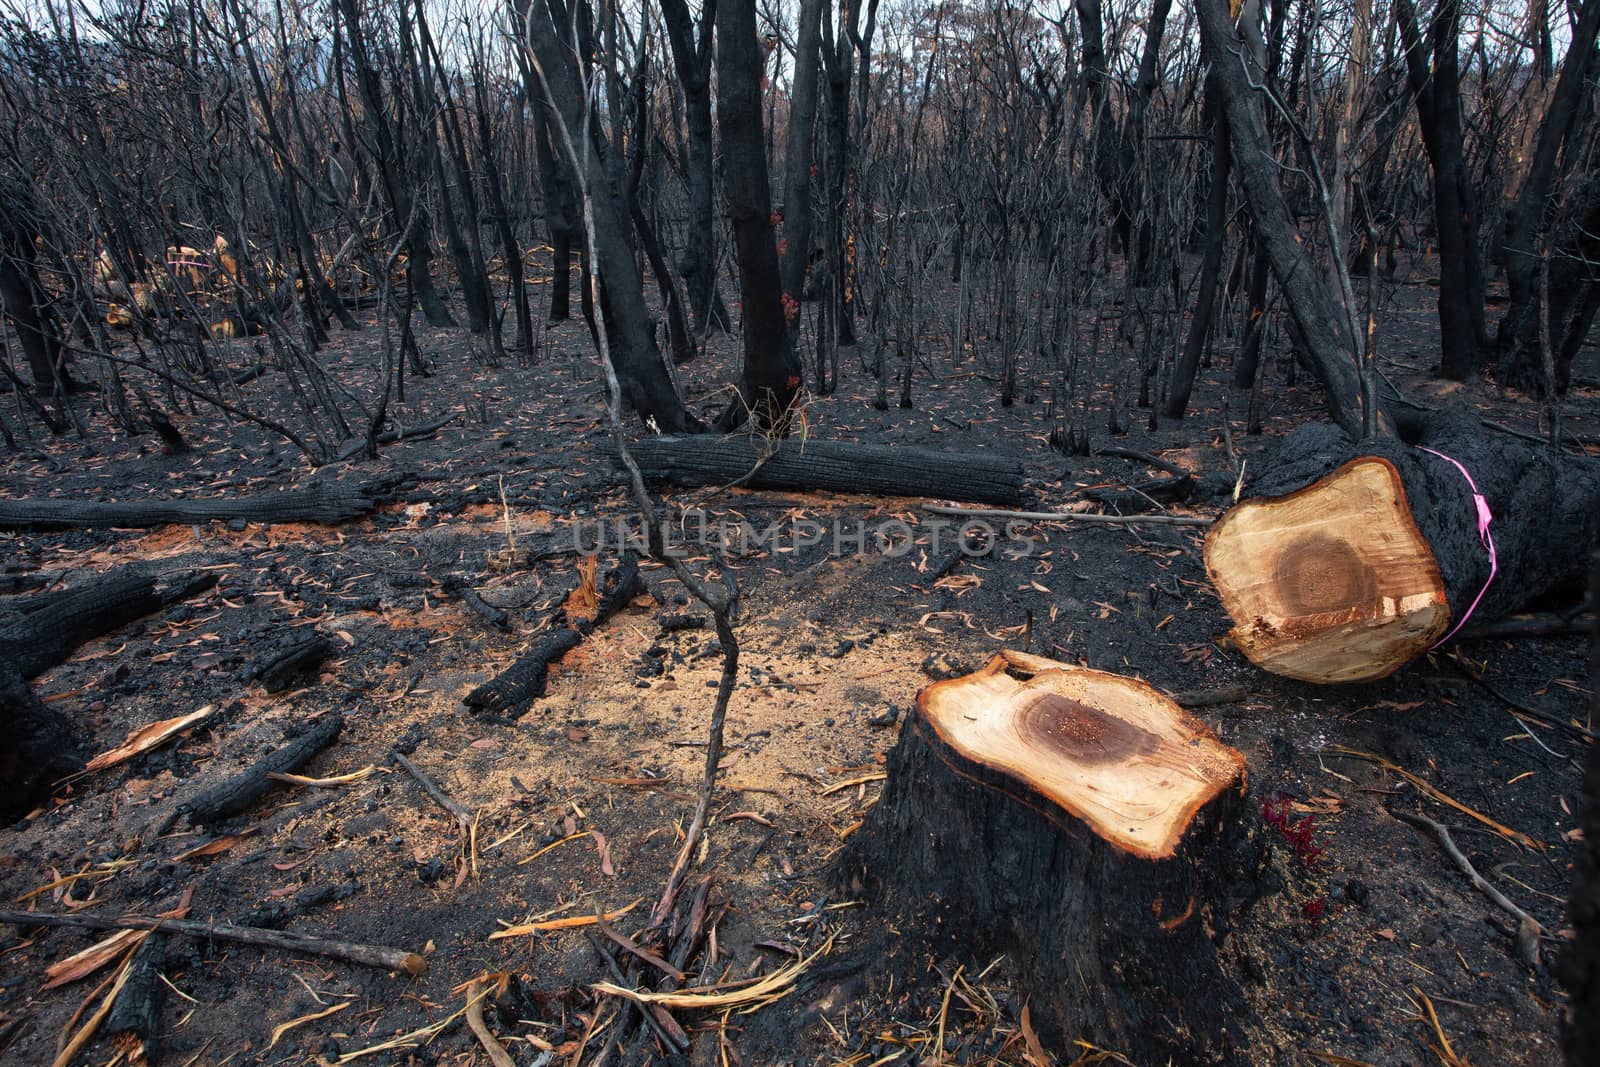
pixel 1333 582
pixel 1109 751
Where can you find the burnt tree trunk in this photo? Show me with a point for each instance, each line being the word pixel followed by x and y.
pixel 510 248
pixel 1330 347
pixel 392 171
pixel 798 153
pixel 1529 214
pixel 23 298
pixel 53 625
pixel 1205 301
pixel 37 745
pixel 640 368
pixel 691 57
pixel 1351 560
pixel 771 379
pixel 326 502
pixel 1462 333
pixel 1089 829
pixel 678 338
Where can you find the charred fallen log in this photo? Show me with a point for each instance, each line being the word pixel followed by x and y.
pixel 977 477
pixel 324 501
pixel 1351 560
pixel 510 693
pixel 238 793
pixel 54 625
pixel 1087 827
pixel 293 659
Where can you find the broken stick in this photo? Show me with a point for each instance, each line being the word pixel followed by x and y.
pixel 388 959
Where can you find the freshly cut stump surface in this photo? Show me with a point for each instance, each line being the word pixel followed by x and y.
pixel 1089 829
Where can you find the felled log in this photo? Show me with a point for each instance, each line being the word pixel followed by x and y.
pixel 1085 826
pixel 510 692
pixel 294 658
pixel 37 745
pixel 977 477
pixel 55 624
pixel 240 792
pixel 324 501
pixel 1351 560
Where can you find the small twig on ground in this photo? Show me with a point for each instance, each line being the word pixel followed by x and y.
pixel 1441 834
pixel 389 959
pixel 1524 709
pixel 462 815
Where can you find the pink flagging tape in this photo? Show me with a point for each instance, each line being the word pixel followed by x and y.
pixel 1485 517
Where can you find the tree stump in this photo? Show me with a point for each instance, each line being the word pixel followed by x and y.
pixel 1349 575
pixel 1086 826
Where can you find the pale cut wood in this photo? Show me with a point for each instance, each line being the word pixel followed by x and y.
pixel 1333 582
pixel 1110 751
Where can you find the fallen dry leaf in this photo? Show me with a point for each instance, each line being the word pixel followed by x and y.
pixel 605 853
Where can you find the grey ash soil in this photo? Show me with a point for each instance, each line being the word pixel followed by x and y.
pixel 1337 957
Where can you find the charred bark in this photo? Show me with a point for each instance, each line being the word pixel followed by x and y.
pixel 638 362
pixel 1579 966
pixel 832 465
pixel 797 215
pixel 510 692
pixel 53 625
pixel 1553 157
pixel 692 59
pixel 134 1024
pixel 1205 301
pixel 37 745
pixel 296 657
pixel 240 792
pixel 326 502
pixel 1462 332
pixel 1325 326
pixel 392 172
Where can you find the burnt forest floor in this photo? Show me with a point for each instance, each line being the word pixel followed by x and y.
pixel 1373 948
